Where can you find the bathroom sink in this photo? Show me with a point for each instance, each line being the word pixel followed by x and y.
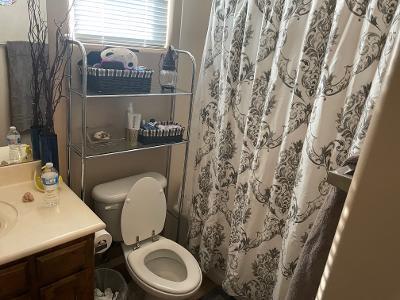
pixel 8 217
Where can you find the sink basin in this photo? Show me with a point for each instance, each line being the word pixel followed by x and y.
pixel 8 217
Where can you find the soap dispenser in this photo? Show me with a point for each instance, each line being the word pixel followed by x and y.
pixel 168 73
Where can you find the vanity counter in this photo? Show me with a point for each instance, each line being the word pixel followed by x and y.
pixel 39 227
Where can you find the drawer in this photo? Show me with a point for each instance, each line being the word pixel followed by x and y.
pixel 63 262
pixel 23 297
pixel 14 280
pixel 78 286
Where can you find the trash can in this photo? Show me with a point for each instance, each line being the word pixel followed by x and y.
pixel 109 285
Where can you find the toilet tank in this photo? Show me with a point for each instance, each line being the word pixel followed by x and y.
pixel 109 199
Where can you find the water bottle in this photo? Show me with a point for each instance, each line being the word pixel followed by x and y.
pixel 14 145
pixel 50 183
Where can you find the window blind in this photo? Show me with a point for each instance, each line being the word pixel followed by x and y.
pixel 137 22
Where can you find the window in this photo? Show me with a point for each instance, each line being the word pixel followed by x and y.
pixel 138 22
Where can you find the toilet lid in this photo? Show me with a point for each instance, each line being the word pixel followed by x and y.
pixel 144 210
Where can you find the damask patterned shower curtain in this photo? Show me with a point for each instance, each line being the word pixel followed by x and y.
pixel 286 92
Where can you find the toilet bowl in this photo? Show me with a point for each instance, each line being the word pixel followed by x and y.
pixel 164 269
pixel 134 210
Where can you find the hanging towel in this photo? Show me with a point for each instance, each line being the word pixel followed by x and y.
pixel 311 263
pixel 20 76
pixel 310 266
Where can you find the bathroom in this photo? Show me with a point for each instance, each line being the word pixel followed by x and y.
pixel 283 184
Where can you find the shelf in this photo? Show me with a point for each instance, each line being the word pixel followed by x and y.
pixel 154 92
pixel 341 177
pixel 117 148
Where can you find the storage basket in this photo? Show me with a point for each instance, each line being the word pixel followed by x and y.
pixel 112 81
pixel 161 136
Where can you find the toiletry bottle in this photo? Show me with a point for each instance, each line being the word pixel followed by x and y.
pixel 134 119
pixel 14 145
pixel 137 118
pixel 50 183
pixel 130 121
pixel 133 126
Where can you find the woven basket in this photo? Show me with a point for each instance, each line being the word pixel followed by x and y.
pixel 111 81
pixel 161 136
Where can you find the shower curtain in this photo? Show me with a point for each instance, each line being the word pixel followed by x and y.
pixel 286 92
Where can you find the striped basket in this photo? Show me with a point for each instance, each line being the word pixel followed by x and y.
pixel 111 81
pixel 161 136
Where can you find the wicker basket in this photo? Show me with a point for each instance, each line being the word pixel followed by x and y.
pixel 111 81
pixel 161 136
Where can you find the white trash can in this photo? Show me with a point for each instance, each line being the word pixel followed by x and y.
pixel 109 285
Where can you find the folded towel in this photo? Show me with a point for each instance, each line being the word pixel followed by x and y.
pixel 20 77
pixel 310 266
pixel 20 74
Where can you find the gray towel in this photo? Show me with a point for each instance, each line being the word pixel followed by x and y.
pixel 20 76
pixel 310 266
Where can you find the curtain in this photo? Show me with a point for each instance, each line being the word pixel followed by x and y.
pixel 286 93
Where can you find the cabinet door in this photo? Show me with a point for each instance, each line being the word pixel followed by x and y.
pixel 78 286
pixel 14 280
pixel 23 297
pixel 63 262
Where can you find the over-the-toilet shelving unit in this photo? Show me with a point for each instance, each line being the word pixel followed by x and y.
pixel 85 153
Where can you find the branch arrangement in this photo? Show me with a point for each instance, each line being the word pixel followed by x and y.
pixel 54 74
pixel 48 77
pixel 37 36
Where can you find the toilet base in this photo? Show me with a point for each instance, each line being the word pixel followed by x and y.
pixel 152 297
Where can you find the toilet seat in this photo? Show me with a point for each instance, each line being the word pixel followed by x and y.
pixel 137 263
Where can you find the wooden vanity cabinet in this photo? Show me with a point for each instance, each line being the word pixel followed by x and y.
pixel 63 272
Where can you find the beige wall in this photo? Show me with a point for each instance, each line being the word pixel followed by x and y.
pixel 364 259
pixel 14 24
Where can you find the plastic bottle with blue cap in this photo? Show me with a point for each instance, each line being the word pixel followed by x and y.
pixel 50 183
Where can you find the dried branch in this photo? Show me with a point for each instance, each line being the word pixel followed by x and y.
pixel 54 73
pixel 48 77
pixel 37 36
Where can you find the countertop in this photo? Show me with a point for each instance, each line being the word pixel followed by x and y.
pixel 39 227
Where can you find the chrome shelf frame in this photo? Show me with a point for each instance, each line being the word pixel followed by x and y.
pixel 141 147
pixel 82 150
pixel 151 94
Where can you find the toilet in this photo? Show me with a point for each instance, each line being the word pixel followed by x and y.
pixel 134 210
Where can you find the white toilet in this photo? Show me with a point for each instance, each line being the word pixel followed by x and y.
pixel 134 210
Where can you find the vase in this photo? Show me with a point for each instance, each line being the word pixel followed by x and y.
pixel 49 149
pixel 35 140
